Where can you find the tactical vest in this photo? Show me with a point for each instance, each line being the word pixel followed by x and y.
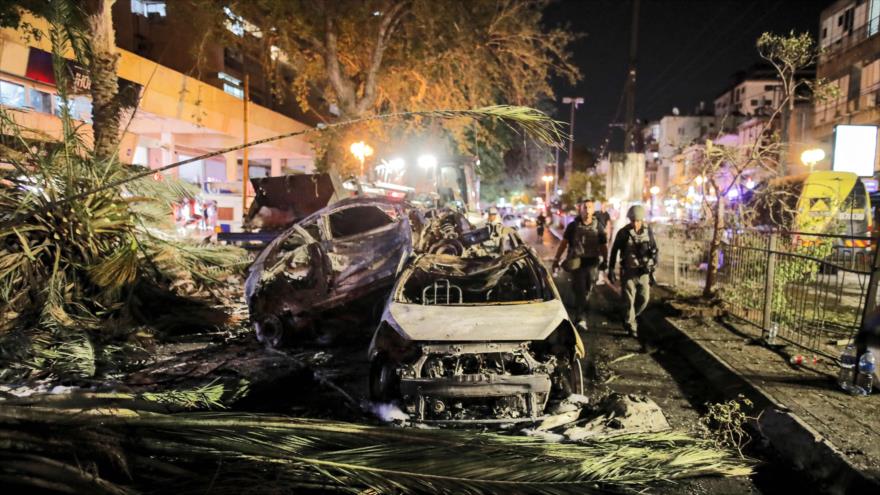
pixel 587 240
pixel 635 249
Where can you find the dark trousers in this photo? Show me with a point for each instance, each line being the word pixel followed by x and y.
pixel 582 282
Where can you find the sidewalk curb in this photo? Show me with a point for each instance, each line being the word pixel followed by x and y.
pixel 790 436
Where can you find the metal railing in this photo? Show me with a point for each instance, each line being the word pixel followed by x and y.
pixel 812 288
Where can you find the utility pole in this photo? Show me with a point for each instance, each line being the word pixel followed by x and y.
pixel 245 172
pixel 630 91
pixel 574 101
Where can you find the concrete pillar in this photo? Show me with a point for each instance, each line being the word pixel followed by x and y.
pixel 168 155
pixel 275 171
pixel 231 166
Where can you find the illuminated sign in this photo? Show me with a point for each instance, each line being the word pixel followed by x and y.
pixel 855 149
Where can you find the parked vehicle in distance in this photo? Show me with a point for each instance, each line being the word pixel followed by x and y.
pixel 512 221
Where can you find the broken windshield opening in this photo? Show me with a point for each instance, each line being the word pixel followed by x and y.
pixel 356 220
pixel 514 282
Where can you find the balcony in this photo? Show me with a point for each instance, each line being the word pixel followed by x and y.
pixel 856 36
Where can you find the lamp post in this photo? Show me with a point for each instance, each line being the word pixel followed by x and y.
pixel 361 151
pixel 812 156
pixel 548 179
pixel 574 102
pixel 654 192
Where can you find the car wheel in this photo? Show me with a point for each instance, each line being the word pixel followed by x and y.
pixel 576 377
pixel 384 382
pixel 271 332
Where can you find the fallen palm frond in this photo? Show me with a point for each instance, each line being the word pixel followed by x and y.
pixel 241 452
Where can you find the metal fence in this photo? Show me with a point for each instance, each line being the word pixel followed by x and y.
pixel 812 288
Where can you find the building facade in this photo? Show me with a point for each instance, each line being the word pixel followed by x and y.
pixel 848 36
pixel 175 116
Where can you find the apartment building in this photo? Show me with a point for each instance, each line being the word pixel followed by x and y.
pixel 174 114
pixel 848 36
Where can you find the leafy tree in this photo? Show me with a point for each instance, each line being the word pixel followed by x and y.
pixel 352 58
pixel 578 185
pixel 789 55
pixel 724 168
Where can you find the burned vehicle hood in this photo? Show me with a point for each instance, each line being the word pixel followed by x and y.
pixel 441 297
pixel 478 323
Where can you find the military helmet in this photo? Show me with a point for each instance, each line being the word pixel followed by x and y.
pixel 636 212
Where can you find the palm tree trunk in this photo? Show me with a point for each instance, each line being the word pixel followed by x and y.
pixel 103 59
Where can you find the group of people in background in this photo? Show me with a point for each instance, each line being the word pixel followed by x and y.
pixel 585 246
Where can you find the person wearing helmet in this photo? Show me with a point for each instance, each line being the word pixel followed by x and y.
pixel 585 241
pixel 638 258
pixel 492 215
pixel 501 238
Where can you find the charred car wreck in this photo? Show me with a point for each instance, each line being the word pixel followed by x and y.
pixel 346 253
pixel 466 339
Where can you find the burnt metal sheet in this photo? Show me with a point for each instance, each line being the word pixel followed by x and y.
pixel 281 201
pixel 480 385
pixel 300 274
pixel 499 322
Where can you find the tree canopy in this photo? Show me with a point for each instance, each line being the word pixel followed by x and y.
pixel 351 58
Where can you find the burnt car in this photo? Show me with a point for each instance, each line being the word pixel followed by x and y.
pixel 345 253
pixel 475 340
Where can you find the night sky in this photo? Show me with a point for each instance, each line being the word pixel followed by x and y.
pixel 688 51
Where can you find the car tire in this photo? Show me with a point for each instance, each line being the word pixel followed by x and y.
pixel 271 332
pixel 384 383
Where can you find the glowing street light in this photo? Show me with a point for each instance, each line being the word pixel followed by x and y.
pixel 654 192
pixel 548 179
pixel 361 151
pixel 699 180
pixel 812 156
pixel 427 161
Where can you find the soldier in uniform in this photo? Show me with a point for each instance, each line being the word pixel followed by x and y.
pixel 638 257
pixel 586 243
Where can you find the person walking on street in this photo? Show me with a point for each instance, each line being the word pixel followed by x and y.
pixel 540 222
pixel 585 244
pixel 638 258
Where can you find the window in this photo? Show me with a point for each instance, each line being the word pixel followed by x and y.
pixel 234 90
pixel 770 87
pixel 357 220
pixel 79 107
pixel 147 8
pixel 754 103
pixel 239 25
pixel 231 85
pixel 40 101
pixel 11 94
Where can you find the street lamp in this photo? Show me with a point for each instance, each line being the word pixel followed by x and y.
pixel 812 156
pixel 574 102
pixel 361 151
pixel 548 179
pixel 427 161
pixel 654 192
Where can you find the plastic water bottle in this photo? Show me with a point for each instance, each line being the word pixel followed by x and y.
pixel 847 374
pixel 865 378
pixel 772 333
